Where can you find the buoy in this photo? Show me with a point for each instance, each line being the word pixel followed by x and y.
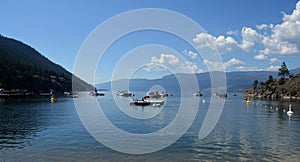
pixel 290 112
pixel 248 100
pixel 203 101
pixel 52 97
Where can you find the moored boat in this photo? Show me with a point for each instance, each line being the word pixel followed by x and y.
pixel 140 103
pixel 222 95
pixel 155 101
pixel 153 94
pixel 124 93
pixel 164 94
pixel 198 94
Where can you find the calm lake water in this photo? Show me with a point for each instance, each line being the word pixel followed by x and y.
pixel 45 131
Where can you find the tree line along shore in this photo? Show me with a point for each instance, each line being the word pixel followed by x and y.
pixel 287 86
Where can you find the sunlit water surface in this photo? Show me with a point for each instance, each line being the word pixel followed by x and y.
pixel 45 131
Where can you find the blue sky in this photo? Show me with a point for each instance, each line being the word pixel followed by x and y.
pixel 250 35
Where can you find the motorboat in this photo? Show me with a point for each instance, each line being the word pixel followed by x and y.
pixel 148 101
pixel 198 94
pixel 70 94
pixel 124 93
pixel 222 95
pixel 96 94
pixel 153 94
pixel 164 94
pixel 155 101
pixel 140 102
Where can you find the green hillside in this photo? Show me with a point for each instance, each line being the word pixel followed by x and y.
pixel 22 67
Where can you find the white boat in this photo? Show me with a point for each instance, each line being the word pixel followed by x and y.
pixel 140 103
pixel 70 94
pixel 124 93
pixel 164 94
pixel 153 94
pixel 198 94
pixel 156 105
pixel 96 94
pixel 155 101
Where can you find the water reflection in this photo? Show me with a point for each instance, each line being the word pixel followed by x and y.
pixel 19 122
pixel 261 131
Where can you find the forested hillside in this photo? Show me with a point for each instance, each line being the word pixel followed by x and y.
pixel 22 67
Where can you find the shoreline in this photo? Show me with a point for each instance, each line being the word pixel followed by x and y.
pixel 271 97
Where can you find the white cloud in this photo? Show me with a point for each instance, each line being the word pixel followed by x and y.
pixel 245 68
pixel 228 44
pixel 189 67
pixel 165 59
pixel 250 37
pixel 218 66
pixel 233 62
pixel 260 57
pixel 273 68
pixel 214 66
pixel 169 61
pixel 205 40
pixel 191 54
pixel 277 46
pixel 273 60
pixel 283 38
pixel 289 29
pixel 221 43
pixel 232 32
pixel 262 26
pixel 162 63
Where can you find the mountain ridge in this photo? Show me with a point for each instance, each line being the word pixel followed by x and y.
pixel 236 81
pixel 23 67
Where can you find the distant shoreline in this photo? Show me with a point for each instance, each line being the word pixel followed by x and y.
pixel 273 98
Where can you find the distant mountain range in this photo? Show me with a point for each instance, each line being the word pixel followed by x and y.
pixel 236 81
pixel 22 67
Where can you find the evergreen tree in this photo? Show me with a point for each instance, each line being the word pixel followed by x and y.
pixel 283 71
pixel 255 83
pixel 270 80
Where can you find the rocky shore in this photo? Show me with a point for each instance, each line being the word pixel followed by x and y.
pixel 276 89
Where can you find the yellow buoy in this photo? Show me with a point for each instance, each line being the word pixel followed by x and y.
pixel 52 98
pixel 248 100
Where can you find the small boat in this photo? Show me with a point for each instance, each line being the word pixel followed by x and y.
pixel 124 93
pixel 234 94
pixel 198 94
pixel 140 103
pixel 164 94
pixel 70 95
pixel 155 101
pixel 96 94
pixel 153 94
pixel 147 101
pixel 290 112
pixel 156 104
pixel 222 95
